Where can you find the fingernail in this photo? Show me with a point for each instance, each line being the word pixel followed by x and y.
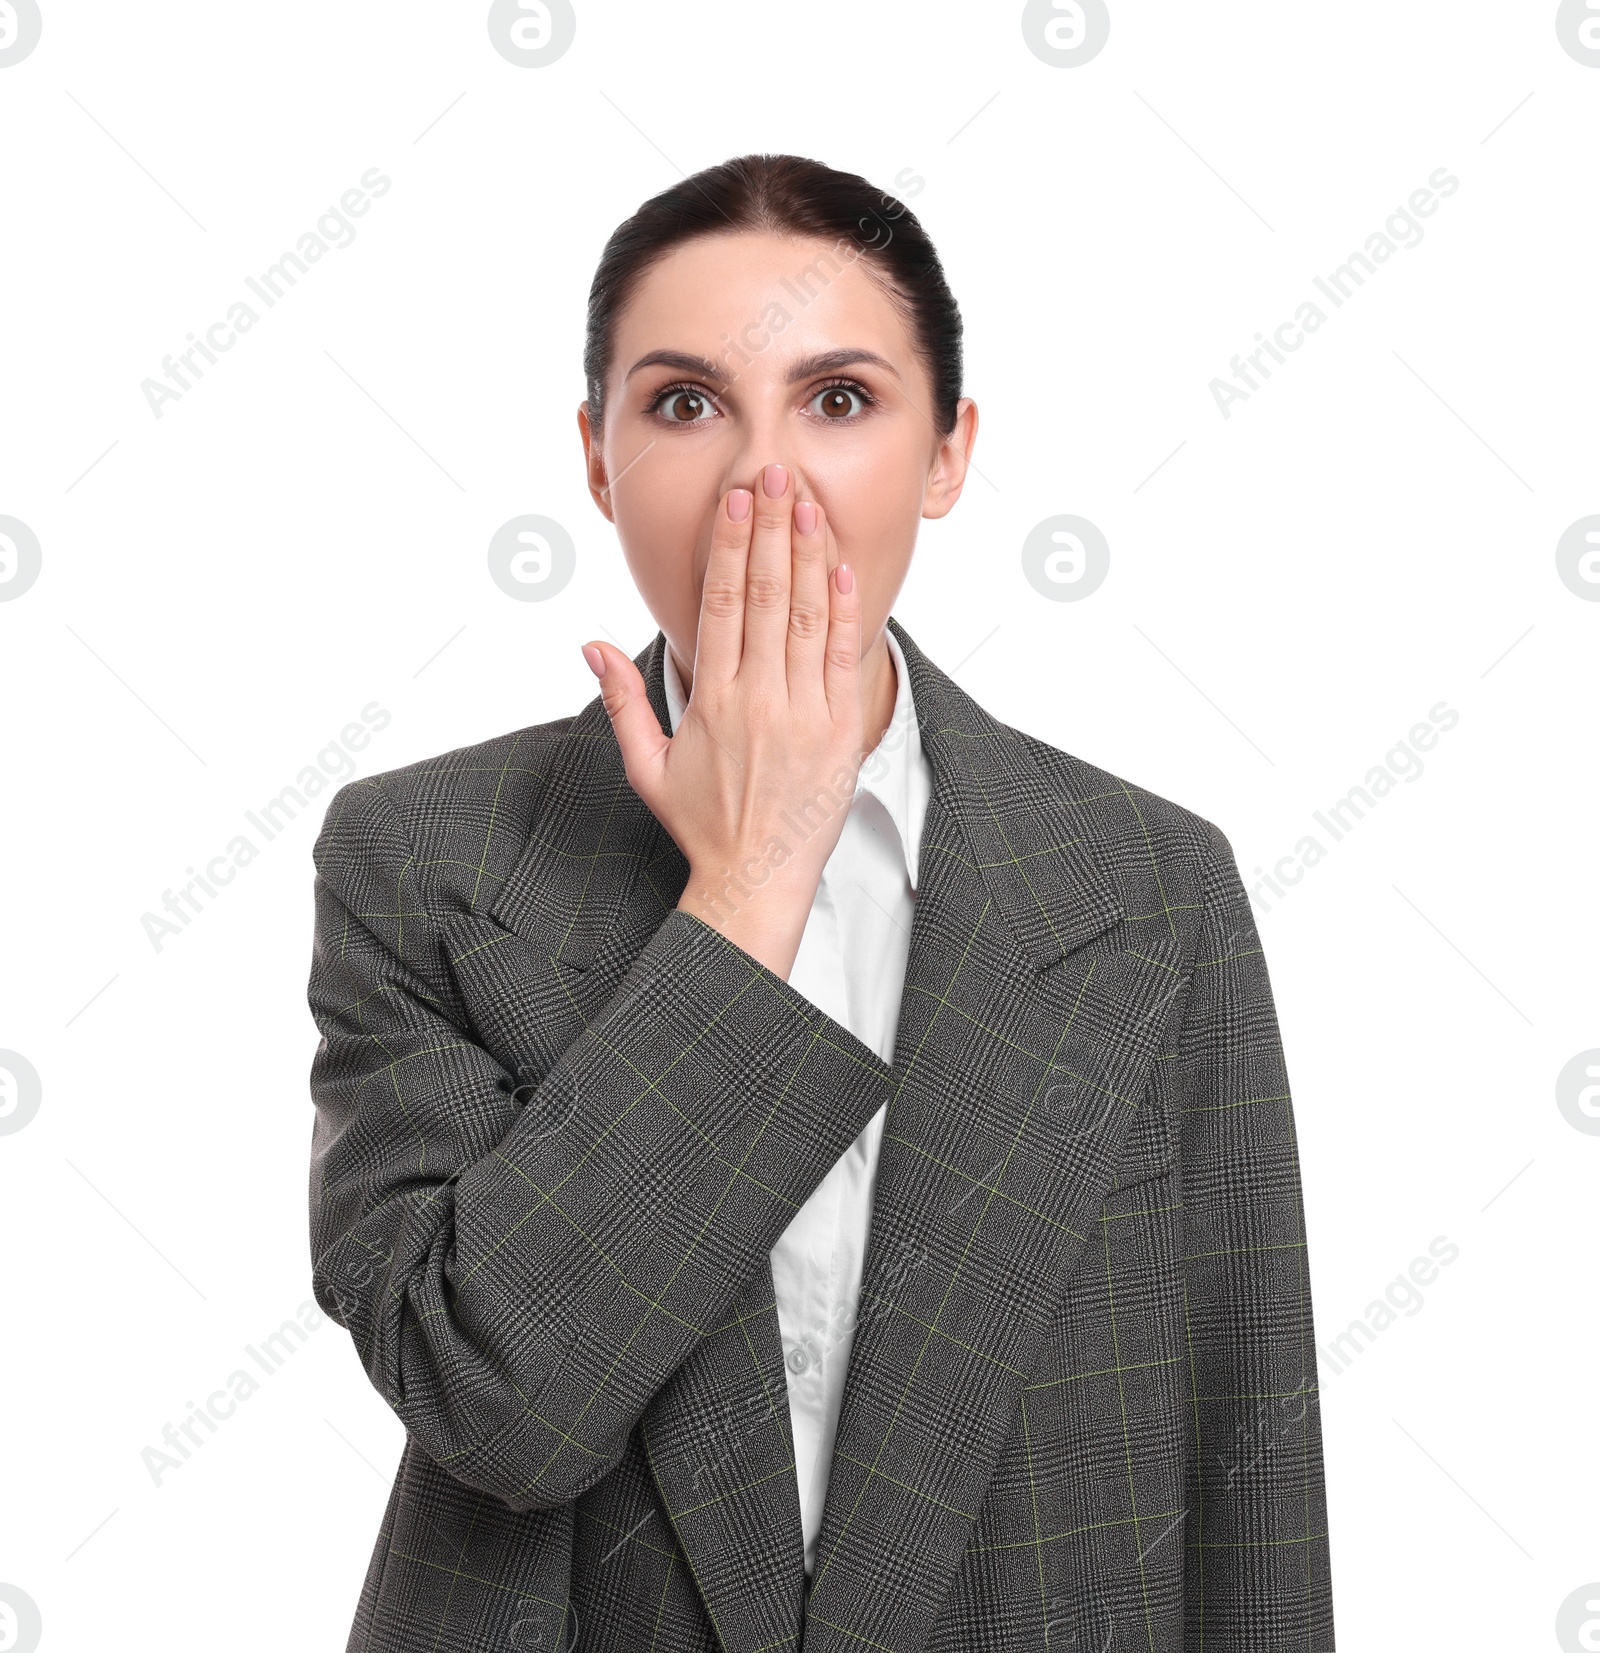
pixel 597 661
pixel 774 479
pixel 805 516
pixel 847 579
pixel 739 504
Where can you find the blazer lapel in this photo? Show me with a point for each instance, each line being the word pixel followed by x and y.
pixel 1027 1025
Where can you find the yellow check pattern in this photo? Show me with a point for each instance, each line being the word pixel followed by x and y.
pixel 560 1124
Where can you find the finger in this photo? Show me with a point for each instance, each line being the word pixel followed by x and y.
pixel 766 595
pixel 720 642
pixel 808 603
pixel 842 667
pixel 633 718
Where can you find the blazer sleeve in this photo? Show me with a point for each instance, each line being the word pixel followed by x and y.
pixel 1257 1564
pixel 521 1269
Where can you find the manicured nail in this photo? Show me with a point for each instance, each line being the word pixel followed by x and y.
pixel 847 579
pixel 597 661
pixel 805 516
pixel 739 504
pixel 774 479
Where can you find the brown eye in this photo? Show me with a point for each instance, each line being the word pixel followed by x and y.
pixel 683 407
pixel 833 403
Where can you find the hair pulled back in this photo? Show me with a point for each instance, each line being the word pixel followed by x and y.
pixel 784 195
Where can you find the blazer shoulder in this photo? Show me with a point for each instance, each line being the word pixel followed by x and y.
pixel 1160 852
pixel 454 823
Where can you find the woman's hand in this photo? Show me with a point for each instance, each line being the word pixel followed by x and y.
pixel 756 783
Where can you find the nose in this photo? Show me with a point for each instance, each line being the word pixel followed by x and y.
pixel 763 442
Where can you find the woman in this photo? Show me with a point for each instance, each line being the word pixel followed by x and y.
pixel 801 1157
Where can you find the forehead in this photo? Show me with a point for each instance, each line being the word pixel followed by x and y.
pixel 776 295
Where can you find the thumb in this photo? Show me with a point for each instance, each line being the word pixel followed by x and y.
pixel 633 718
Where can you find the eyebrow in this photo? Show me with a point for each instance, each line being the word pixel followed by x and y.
pixel 808 367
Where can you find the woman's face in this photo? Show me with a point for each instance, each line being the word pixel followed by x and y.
pixel 782 352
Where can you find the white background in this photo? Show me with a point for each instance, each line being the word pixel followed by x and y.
pixel 1291 589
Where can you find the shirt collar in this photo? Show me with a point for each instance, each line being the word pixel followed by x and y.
pixel 895 771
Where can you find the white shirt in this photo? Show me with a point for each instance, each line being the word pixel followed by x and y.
pixel 851 964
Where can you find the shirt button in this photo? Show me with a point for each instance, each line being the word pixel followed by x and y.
pixel 798 1359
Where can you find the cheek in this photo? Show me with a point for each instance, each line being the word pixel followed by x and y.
pixel 655 501
pixel 874 510
pixel 662 518
pixel 872 467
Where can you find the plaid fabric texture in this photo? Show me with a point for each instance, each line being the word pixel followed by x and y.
pixel 559 1126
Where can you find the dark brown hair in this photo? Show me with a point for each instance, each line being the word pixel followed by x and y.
pixel 785 195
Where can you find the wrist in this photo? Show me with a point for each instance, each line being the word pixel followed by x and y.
pixel 764 922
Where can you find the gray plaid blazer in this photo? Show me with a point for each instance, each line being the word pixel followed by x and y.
pixel 560 1124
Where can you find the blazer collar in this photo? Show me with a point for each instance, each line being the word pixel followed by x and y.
pixel 983 776
pixel 1029 1019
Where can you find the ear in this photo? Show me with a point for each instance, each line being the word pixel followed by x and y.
pixel 594 464
pixel 948 474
